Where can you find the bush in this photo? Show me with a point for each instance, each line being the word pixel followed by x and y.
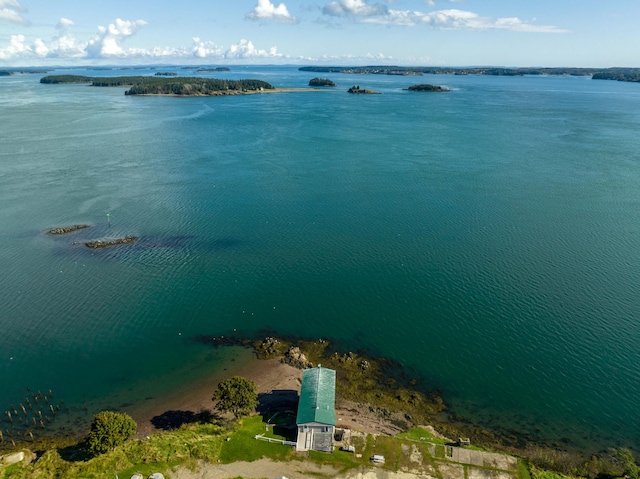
pixel 237 395
pixel 109 429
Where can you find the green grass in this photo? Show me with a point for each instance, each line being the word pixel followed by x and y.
pixel 369 444
pixel 243 446
pixel 422 435
pixel 391 449
pixel 440 451
pixel 341 460
pixel 523 470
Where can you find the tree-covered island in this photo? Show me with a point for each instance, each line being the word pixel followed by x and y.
pixel 619 74
pixel 426 87
pixel 55 79
pixel 179 86
pixel 321 82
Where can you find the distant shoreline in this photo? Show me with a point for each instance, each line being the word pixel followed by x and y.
pixel 615 73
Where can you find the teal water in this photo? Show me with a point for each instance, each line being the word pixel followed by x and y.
pixel 488 238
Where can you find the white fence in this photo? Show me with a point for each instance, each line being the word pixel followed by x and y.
pixel 271 439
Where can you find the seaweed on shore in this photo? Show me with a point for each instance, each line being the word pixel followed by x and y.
pixel 382 383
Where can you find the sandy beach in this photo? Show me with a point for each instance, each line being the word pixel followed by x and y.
pixel 276 383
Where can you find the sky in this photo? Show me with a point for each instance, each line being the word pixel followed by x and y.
pixel 512 33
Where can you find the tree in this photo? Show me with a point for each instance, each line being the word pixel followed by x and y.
pixel 237 395
pixel 110 429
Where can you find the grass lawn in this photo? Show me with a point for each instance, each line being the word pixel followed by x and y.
pixel 421 434
pixel 243 446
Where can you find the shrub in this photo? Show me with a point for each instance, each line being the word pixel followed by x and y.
pixel 109 429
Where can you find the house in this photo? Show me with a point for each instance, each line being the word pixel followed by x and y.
pixel 316 418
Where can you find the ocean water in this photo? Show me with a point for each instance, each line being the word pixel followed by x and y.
pixel 488 238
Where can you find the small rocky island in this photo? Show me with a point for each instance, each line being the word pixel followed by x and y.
pixel 427 87
pixel 66 230
pixel 92 244
pixel 321 82
pixel 358 90
pixel 96 244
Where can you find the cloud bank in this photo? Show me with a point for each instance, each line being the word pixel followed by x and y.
pixel 451 19
pixel 110 43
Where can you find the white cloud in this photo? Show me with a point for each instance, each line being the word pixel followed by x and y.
pixel 64 24
pixel 12 11
pixel 204 49
pixel 451 19
pixel 59 47
pixel 265 10
pixel 40 48
pixel 244 49
pixel 108 42
pixel 16 47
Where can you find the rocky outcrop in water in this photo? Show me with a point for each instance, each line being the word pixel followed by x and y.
pixel 66 229
pixel 362 91
pixel 296 358
pixel 96 244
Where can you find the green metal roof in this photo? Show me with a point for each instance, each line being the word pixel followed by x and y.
pixel 317 397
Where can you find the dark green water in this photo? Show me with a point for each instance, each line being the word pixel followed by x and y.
pixel 487 237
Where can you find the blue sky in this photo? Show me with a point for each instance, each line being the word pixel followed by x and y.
pixel 585 33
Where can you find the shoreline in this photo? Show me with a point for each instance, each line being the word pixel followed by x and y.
pixel 189 402
pixel 389 404
pixel 274 380
pixel 375 395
